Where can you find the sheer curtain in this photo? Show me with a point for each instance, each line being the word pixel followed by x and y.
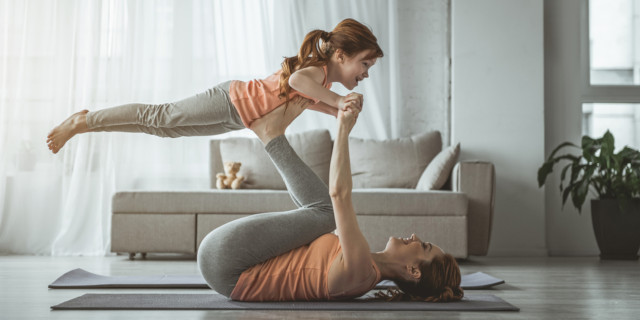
pixel 59 57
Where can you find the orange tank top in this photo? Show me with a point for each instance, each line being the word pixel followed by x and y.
pixel 255 98
pixel 301 274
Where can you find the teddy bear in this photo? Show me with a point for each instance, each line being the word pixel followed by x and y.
pixel 230 179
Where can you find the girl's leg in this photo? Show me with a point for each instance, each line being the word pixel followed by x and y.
pixel 75 124
pixel 234 247
pixel 210 108
pixel 176 132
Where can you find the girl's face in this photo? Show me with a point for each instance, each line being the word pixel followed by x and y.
pixel 354 69
pixel 409 250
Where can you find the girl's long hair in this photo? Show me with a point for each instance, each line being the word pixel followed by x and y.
pixel 351 36
pixel 440 282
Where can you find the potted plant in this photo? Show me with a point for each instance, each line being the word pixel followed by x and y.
pixel 615 180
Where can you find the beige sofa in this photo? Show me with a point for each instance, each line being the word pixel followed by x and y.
pixel 393 195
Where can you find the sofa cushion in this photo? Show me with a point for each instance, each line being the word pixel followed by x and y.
pixel 439 170
pixel 202 201
pixel 405 202
pixel 395 163
pixel 314 148
pixel 409 202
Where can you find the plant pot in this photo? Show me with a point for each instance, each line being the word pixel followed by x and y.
pixel 617 232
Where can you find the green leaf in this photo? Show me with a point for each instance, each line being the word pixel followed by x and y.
pixel 589 148
pixel 627 156
pixel 547 167
pixel 575 171
pixel 606 149
pixel 566 193
pixel 563 174
pixel 579 194
pixel 543 172
pixel 562 145
pixel 608 144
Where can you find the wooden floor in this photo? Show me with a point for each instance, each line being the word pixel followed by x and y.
pixel 543 288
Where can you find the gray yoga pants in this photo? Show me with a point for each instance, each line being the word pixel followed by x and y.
pixel 238 245
pixel 207 113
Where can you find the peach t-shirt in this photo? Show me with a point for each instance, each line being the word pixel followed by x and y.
pixel 300 274
pixel 255 98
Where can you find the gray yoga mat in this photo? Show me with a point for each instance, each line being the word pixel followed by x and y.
pixel 483 302
pixel 80 278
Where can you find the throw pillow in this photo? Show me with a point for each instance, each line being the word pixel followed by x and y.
pixel 439 170
pixel 313 147
pixel 395 163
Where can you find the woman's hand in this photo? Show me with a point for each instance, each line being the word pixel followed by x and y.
pixel 344 102
pixel 347 119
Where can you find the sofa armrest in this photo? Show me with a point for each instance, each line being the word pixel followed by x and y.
pixel 477 180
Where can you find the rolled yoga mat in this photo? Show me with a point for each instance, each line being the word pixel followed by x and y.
pixel 80 278
pixel 483 302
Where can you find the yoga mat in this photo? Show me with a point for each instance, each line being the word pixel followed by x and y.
pixel 473 281
pixel 482 302
pixel 80 278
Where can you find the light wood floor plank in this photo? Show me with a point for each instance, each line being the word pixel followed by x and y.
pixel 543 288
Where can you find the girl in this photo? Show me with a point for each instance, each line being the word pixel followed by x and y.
pixel 287 256
pixel 343 55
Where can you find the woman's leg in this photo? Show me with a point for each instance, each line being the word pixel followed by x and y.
pixel 203 114
pixel 234 247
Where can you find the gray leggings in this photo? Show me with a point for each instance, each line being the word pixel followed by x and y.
pixel 207 113
pixel 238 245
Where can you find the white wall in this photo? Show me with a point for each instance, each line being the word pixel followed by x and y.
pixel 568 233
pixel 423 61
pixel 498 111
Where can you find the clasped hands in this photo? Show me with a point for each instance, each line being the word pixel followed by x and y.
pixel 348 110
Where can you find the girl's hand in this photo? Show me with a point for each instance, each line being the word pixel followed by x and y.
pixel 347 118
pixel 343 102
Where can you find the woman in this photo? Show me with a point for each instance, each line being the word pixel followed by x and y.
pixel 287 256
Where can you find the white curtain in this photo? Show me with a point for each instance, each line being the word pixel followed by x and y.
pixel 59 57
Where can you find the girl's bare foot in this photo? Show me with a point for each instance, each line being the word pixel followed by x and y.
pixel 75 124
pixel 274 123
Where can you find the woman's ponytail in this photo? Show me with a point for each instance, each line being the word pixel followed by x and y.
pixel 440 282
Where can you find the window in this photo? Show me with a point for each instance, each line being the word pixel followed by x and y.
pixel 611 66
pixel 622 119
pixel 613 28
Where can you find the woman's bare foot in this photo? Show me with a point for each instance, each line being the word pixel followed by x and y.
pixel 75 124
pixel 274 123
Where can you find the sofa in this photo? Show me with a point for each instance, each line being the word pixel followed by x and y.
pixel 400 186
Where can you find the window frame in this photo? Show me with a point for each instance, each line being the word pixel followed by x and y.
pixel 599 93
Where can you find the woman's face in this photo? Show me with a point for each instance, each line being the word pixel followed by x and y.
pixel 354 69
pixel 412 249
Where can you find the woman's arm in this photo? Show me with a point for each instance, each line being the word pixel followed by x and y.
pixel 355 248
